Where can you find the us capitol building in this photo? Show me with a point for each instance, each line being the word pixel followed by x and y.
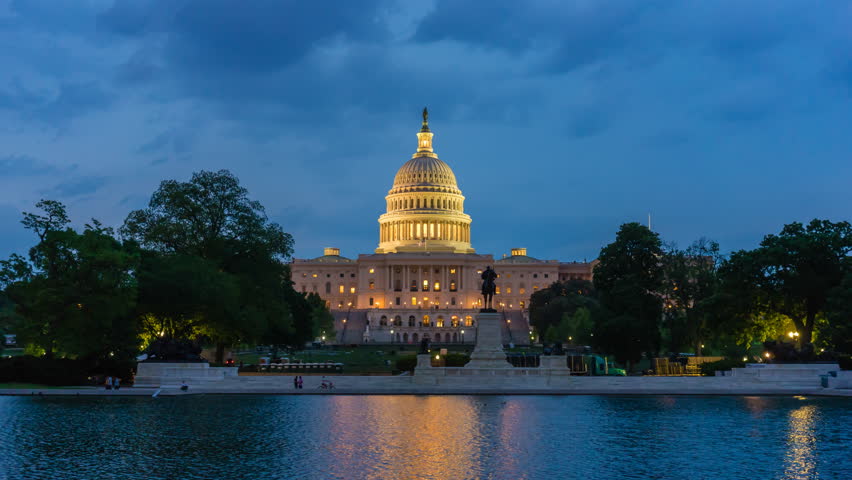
pixel 423 281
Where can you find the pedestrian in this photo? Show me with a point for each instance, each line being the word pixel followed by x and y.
pixel 300 381
pixel 296 382
pixel 108 383
pixel 116 383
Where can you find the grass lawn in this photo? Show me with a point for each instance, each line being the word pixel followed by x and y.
pixel 27 386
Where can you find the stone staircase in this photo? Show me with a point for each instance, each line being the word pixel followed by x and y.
pixel 353 330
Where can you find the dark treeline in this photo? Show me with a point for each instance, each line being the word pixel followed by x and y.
pixel 201 262
pixel 653 298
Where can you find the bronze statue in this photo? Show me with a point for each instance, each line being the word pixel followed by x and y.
pixel 489 288
pixel 425 116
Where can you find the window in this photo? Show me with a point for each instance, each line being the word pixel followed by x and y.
pixel 384 320
pixel 372 285
pixel 497 290
pixel 425 285
pixel 522 304
pixel 372 270
pixel 426 321
pixel 397 320
pixel 341 275
pixel 327 287
pixel 342 288
pixel 535 275
pixel 304 275
pixel 508 275
pixel 453 271
pixel 371 301
pixel 436 287
pixel 454 321
pixel 397 300
pixel 439 322
pixel 352 275
pixel 546 275
pixel 414 301
pixel 314 275
pixel 411 321
pixel 340 304
pixel 508 290
pixel 453 301
pixel 351 289
pixel 437 270
pixel 414 285
pixel 468 321
pixel 452 285
pixel 397 285
pixel 535 288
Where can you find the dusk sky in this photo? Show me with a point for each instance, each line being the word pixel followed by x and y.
pixel 561 119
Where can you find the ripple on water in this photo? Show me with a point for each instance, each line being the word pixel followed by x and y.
pixel 425 437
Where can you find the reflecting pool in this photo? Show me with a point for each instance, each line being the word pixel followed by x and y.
pixel 425 437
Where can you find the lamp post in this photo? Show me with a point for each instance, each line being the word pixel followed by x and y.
pixel 391 337
pixel 462 333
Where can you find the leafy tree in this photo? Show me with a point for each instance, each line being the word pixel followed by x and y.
pixel 549 306
pixel 217 233
pixel 628 279
pixel 74 292
pixel 838 328
pixel 793 274
pixel 691 281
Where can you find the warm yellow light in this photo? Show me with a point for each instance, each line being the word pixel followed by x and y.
pixel 351 289
pixel 569 338
pixel 745 359
pixel 437 357
pixel 462 332
pixel 766 354
pixel 702 345
pixel 372 270
pixel 344 320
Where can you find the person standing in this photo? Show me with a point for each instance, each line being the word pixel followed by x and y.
pixel 116 383
pixel 108 383
pixel 295 382
pixel 300 381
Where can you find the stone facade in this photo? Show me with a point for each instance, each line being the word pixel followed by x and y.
pixel 424 278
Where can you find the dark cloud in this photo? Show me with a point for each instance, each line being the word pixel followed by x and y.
pixel 78 187
pixel 70 100
pixel 24 165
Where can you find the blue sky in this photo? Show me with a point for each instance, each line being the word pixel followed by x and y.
pixel 561 119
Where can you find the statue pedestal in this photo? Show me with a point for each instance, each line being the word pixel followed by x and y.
pixel 488 352
pixel 555 364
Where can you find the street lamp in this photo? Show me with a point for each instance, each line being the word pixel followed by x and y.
pixel 462 332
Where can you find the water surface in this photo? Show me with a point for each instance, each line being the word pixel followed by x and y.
pixel 425 437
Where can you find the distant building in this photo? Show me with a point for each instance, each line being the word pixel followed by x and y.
pixel 423 281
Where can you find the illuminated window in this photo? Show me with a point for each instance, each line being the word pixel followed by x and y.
pixel 372 285
pixel 522 304
pixel 425 285
pixel 535 287
pixel 437 286
pixel 426 321
pixel 508 275
pixel 453 270
pixel 452 285
pixel 304 275
pixel 414 285
pixel 468 321
pixel 508 290
pixel 351 289
pixel 314 275
pixel 414 300
pixel 340 304
pixel 454 321
pixel 497 290
pixel 342 288
pixel 372 270
pixel 522 290
pixel 439 322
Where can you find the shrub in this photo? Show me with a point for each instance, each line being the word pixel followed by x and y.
pixel 845 362
pixel 406 363
pixel 710 368
pixel 455 359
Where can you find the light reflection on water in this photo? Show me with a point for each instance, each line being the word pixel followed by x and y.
pixel 425 437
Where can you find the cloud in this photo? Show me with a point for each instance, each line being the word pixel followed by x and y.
pixel 24 165
pixel 78 187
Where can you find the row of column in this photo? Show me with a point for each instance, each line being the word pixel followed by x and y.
pixel 405 277
pixel 419 230
pixel 415 202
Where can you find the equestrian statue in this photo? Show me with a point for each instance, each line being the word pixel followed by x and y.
pixel 489 288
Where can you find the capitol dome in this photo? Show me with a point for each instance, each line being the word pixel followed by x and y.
pixel 425 208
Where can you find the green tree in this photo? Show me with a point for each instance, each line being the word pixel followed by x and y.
pixel 212 219
pixel 691 280
pixel 75 292
pixel 549 306
pixel 628 280
pixel 837 331
pixel 793 274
